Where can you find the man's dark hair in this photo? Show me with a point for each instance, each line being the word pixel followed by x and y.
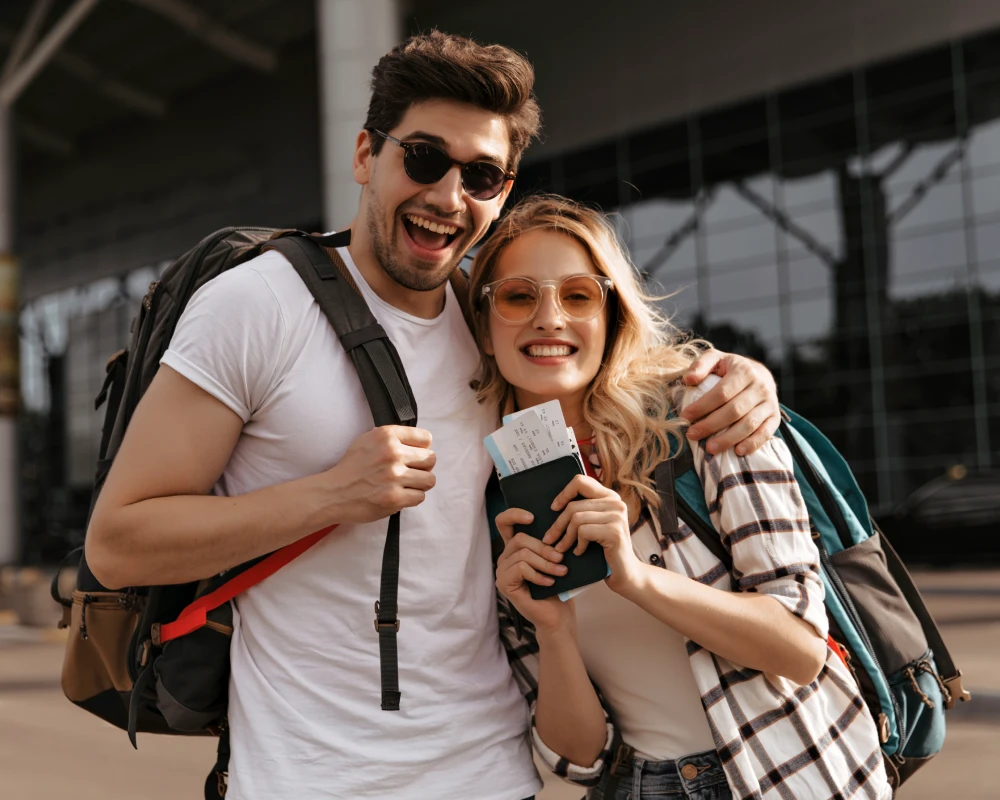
pixel 441 66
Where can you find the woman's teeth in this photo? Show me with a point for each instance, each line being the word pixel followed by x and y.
pixel 434 227
pixel 543 350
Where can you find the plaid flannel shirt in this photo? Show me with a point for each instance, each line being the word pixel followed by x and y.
pixel 775 738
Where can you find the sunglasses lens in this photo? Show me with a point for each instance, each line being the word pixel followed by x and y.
pixel 483 180
pixel 581 297
pixel 515 300
pixel 425 163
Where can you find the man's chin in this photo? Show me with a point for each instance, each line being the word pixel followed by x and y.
pixel 419 275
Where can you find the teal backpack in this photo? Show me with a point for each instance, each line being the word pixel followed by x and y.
pixel 876 613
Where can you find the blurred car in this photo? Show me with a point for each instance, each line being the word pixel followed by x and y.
pixel 949 521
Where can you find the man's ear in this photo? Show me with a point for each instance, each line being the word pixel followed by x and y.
pixel 363 158
pixel 501 199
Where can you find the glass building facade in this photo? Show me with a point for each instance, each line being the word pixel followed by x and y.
pixel 847 234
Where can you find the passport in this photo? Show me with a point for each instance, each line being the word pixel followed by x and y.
pixel 534 489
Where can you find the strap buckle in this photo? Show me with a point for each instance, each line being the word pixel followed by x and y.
pixel 379 624
pixel 956 691
pixel 622 761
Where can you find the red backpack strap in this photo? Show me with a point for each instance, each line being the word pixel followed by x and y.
pixel 196 614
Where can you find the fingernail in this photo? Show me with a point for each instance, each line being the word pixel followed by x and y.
pixel 561 569
pixel 555 503
pixel 557 556
pixel 712 447
pixel 692 434
pixel 741 451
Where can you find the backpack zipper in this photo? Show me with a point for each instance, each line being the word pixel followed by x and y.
pixel 836 516
pixel 695 521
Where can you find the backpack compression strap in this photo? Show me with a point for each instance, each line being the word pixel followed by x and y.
pixel 195 615
pixel 387 389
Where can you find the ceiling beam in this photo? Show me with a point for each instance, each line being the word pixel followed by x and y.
pixel 26 37
pixel 214 34
pixel 12 88
pixel 45 139
pixel 101 82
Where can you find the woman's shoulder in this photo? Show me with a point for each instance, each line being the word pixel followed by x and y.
pixel 685 395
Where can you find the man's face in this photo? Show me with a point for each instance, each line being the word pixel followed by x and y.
pixel 396 211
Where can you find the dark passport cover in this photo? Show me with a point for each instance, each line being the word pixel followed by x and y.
pixel 534 490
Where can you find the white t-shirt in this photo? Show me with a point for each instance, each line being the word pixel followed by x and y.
pixel 304 697
pixel 641 666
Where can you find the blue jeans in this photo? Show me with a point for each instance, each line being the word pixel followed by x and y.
pixel 695 777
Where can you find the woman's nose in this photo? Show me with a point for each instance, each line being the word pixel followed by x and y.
pixel 549 315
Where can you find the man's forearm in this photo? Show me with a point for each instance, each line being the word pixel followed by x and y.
pixel 165 540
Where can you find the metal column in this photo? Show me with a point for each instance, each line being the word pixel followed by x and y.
pixel 353 35
pixel 9 350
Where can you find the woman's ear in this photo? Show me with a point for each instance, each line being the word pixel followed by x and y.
pixel 487 344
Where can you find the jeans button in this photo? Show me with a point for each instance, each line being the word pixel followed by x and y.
pixel 689 772
pixel 654 559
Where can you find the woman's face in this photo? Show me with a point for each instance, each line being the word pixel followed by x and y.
pixel 551 356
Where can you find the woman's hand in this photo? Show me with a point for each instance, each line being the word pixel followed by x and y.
pixel 601 517
pixel 527 560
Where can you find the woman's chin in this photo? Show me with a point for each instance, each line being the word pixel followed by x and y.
pixel 544 391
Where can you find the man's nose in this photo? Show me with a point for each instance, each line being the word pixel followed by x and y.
pixel 446 194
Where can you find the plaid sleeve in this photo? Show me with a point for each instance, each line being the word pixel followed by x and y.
pixel 518 637
pixel 755 504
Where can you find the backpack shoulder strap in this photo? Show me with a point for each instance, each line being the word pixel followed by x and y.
pixel 389 396
pixel 460 286
pixel 681 495
pixel 373 354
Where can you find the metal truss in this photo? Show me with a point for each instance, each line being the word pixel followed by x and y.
pixel 216 35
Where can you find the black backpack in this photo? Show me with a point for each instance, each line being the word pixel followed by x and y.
pixel 156 658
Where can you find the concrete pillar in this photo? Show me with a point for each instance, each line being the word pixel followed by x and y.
pixel 9 350
pixel 353 35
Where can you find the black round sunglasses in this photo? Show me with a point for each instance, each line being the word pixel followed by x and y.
pixel 426 164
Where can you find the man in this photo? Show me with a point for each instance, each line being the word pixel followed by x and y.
pixel 256 432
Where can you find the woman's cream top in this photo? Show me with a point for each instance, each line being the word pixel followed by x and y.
pixel 641 667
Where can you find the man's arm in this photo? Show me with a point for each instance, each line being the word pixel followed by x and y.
pixel 155 522
pixel 744 405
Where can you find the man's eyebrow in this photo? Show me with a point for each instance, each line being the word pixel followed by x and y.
pixel 438 141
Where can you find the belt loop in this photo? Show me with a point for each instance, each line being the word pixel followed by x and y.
pixel 637 766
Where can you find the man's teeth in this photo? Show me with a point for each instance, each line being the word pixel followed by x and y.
pixel 434 227
pixel 544 350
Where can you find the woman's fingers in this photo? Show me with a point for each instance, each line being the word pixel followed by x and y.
pixel 581 485
pixel 601 527
pixel 531 575
pixel 506 520
pixel 523 541
pixel 537 562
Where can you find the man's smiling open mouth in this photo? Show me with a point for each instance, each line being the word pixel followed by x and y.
pixel 428 234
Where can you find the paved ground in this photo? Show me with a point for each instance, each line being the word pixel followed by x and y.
pixel 49 750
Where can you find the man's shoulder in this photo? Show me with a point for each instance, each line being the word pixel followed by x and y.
pixel 268 278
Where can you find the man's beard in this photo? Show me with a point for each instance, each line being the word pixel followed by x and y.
pixel 410 277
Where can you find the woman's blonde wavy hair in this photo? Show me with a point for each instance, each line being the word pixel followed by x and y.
pixel 628 403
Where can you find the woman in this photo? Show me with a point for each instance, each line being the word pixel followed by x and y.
pixel 715 685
